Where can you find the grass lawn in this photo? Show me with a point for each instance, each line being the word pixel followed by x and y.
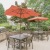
pixel 4 24
pixel 11 27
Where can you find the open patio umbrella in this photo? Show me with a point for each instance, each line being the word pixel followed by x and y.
pixel 20 12
pixel 38 19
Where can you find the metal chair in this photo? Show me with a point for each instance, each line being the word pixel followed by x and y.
pixel 10 41
pixel 46 35
pixel 30 41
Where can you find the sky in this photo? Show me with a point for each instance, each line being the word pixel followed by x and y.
pixel 8 3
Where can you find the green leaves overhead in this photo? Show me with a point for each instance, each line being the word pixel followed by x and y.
pixel 1 10
pixel 39 5
pixel 42 6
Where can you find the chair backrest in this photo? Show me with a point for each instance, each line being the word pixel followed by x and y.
pixel 29 39
pixel 10 34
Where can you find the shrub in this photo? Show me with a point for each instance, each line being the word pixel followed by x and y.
pixel 23 28
pixel 45 28
pixel 8 28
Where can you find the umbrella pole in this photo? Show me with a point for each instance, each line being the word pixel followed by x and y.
pixel 38 30
pixel 20 19
pixel 20 29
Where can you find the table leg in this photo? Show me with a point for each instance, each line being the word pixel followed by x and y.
pixel 32 44
pixel 26 43
pixel 14 45
pixel 38 36
pixel 41 36
pixel 47 36
pixel 7 45
pixel 20 44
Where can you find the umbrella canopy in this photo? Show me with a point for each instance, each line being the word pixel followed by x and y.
pixel 38 19
pixel 20 12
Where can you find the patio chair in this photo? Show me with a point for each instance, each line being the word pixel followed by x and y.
pixel 46 35
pixel 37 33
pixel 10 41
pixel 30 41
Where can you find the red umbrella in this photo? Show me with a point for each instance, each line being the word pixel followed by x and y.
pixel 20 12
pixel 38 19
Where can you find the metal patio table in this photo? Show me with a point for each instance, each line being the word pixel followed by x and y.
pixel 20 37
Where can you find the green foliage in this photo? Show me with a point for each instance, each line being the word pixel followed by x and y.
pixel 2 16
pixel 23 28
pixel 45 28
pixel 4 24
pixel 8 27
pixel 11 28
pixel 18 20
pixel 14 18
pixel 39 5
pixel 14 28
pixel 42 6
pixel 23 5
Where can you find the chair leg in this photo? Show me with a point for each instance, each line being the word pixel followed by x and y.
pixel 26 44
pixel 47 37
pixel 14 45
pixel 29 44
pixel 32 45
pixel 7 48
pixel 8 45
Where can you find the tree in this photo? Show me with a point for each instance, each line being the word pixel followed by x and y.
pixel 42 6
pixel 38 5
pixel 2 16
